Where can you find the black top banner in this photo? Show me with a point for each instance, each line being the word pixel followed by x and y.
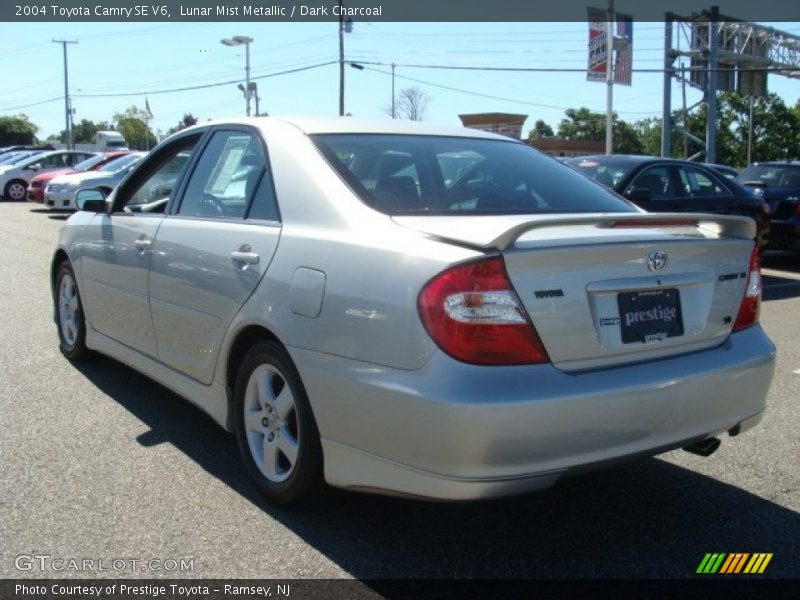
pixel 378 10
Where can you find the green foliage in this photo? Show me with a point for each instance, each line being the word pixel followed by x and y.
pixel 84 132
pixel 583 124
pixel 17 130
pixel 132 124
pixel 776 130
pixel 187 121
pixel 540 130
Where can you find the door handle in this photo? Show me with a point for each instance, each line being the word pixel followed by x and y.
pixel 142 244
pixel 248 258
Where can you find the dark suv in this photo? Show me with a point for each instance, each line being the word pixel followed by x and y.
pixel 778 183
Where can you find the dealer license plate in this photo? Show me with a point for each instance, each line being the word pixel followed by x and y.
pixel 650 316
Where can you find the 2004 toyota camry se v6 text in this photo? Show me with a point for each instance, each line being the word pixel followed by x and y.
pixel 442 313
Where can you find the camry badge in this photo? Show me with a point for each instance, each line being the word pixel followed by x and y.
pixel 656 260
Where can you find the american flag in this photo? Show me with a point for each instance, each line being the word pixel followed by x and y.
pixel 624 58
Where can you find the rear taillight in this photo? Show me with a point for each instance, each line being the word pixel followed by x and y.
pixel 751 303
pixel 472 313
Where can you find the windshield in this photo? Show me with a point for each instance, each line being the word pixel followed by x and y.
pixel 89 162
pixel 606 171
pixel 416 174
pixel 32 160
pixel 772 175
pixel 120 163
pixel 15 158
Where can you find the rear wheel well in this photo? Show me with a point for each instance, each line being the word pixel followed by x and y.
pixel 245 339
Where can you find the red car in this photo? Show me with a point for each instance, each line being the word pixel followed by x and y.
pixel 38 183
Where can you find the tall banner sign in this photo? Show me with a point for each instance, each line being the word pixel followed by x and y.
pixel 597 44
pixel 624 44
pixel 598 40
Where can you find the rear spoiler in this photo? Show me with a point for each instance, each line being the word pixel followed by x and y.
pixel 502 231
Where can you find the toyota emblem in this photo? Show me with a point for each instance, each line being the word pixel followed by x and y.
pixel 657 260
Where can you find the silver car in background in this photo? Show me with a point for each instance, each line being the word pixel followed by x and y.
pixel 414 310
pixel 60 192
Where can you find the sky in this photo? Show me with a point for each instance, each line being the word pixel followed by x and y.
pixel 129 59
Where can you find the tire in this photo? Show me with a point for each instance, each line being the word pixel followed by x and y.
pixel 275 428
pixel 69 314
pixel 16 190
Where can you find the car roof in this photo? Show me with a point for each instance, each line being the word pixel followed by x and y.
pixel 778 163
pixel 310 126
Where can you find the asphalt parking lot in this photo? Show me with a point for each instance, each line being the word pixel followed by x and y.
pixel 99 462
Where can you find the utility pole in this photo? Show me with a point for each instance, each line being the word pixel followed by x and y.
pixel 610 79
pixel 666 114
pixel 394 113
pixel 711 90
pixel 67 106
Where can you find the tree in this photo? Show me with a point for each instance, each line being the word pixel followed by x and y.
pixel 132 125
pixel 17 130
pixel 411 103
pixel 84 132
pixel 583 124
pixel 540 130
pixel 187 121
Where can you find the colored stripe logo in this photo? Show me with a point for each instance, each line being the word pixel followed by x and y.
pixel 734 562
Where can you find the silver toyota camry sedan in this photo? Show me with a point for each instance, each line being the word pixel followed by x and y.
pixel 414 310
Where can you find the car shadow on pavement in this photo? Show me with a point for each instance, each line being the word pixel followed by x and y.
pixel 644 519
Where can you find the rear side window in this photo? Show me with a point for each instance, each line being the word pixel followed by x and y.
pixel 697 184
pixel 431 175
pixel 226 176
pixel 772 175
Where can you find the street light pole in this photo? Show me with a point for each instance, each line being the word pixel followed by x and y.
pixel 243 40
pixel 610 79
pixel 247 75
pixel 341 60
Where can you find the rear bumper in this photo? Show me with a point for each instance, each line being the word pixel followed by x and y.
pixel 456 431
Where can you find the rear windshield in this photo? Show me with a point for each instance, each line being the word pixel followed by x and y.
pixel 431 175
pixel 772 175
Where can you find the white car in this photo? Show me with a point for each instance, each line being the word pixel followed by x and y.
pixel 14 179
pixel 60 191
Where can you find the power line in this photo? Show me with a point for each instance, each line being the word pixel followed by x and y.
pixel 204 86
pixel 490 96
pixel 33 104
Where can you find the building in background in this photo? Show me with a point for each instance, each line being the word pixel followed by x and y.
pixel 507 124
pixel 561 147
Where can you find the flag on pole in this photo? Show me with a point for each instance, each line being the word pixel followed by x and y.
pixel 147 108
pixel 624 60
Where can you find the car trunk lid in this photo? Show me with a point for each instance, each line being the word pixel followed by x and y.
pixel 611 289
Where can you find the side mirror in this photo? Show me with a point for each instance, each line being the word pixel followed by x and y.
pixel 91 201
pixel 35 167
pixel 639 195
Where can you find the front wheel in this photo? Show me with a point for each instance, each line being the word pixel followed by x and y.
pixel 277 434
pixel 69 314
pixel 16 190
